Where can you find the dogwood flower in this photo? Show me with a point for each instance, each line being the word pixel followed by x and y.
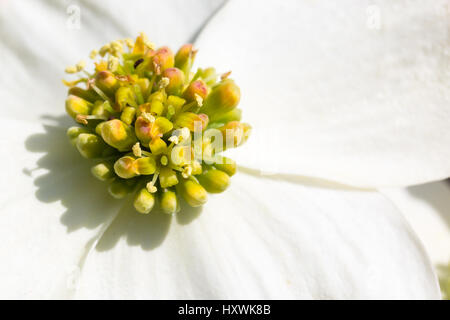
pixel 339 106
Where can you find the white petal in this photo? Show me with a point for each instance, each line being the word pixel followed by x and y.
pixel 52 212
pixel 263 238
pixel 346 91
pixel 427 208
pixel 39 39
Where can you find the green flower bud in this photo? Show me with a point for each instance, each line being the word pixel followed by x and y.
pixel 92 146
pixel 176 80
pixel 176 103
pixel 148 129
pixel 144 84
pixel 106 82
pixel 144 201
pixel 233 115
pixel 190 120
pixel 142 128
pixel 101 109
pixel 208 75
pixel 224 97
pixel 196 168
pixel 125 167
pixel 167 177
pixel 158 95
pixel 120 188
pixel 124 97
pixel 156 107
pixel 161 126
pixel 163 59
pixel 157 146
pixel 235 133
pixel 197 87
pixel 145 166
pixel 74 132
pixel 88 95
pixel 184 58
pixel 127 115
pixel 98 128
pixel 103 171
pixel 214 181
pixel 169 202
pixel 141 111
pixel 76 105
pixel 118 135
pixel 226 165
pixel 194 194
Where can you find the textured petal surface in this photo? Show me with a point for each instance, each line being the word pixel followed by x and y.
pixel 263 238
pixel 61 232
pixel 41 38
pixel 353 91
pixel 52 211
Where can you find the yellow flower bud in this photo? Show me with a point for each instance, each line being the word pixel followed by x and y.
pixel 235 133
pixel 194 194
pixel 98 128
pixel 125 167
pixel 197 87
pixel 158 95
pixel 190 120
pixel 127 115
pixel 144 201
pixel 118 135
pixel 103 171
pixel 144 84
pixel 156 107
pixel 157 146
pixel 167 177
pixel 163 59
pixel 175 102
pixel 214 181
pixel 233 115
pixel 208 75
pixel 142 128
pixel 224 97
pixel 107 82
pixel 226 165
pixel 169 202
pixel 196 168
pixel 160 127
pixel 92 146
pixel 124 97
pixel 145 166
pixel 185 58
pixel 74 132
pixel 88 95
pixel 76 106
pixel 176 80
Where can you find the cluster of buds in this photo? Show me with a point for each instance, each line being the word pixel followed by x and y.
pixel 154 127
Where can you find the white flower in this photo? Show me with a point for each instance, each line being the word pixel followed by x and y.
pixel 360 106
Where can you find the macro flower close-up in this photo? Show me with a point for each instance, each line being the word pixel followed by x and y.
pixel 221 149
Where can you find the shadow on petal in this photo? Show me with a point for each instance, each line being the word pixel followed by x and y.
pixel 437 194
pixel 86 200
pixel 145 230
pixel 68 178
pixel 187 213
